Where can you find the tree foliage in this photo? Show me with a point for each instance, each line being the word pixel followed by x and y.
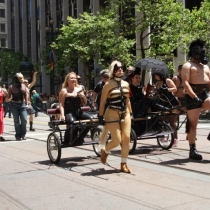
pixel 197 25
pixel 161 22
pixel 10 61
pixel 93 37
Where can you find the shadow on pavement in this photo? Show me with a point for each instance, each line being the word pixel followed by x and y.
pixel 100 171
pixel 183 162
pixel 71 162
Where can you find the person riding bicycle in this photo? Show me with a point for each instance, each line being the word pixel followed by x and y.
pixel 71 99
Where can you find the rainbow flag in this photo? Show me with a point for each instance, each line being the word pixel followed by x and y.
pixel 51 58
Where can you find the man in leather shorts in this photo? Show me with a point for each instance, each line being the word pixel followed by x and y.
pixel 196 80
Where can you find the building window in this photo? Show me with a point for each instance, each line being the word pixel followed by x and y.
pixel 2 13
pixel 2 1
pixel 3 42
pixel 190 4
pixel 2 27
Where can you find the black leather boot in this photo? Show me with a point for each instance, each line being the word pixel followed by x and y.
pixel 194 153
pixel 31 126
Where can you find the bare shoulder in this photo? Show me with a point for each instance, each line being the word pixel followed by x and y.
pixel 125 84
pixel 206 68
pixel 187 65
pixel 174 79
pixel 63 90
pixel 168 80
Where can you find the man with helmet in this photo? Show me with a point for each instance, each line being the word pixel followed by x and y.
pixel 196 80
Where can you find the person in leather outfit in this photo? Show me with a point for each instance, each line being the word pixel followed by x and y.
pixel 196 80
pixel 19 103
pixel 139 103
pixel 71 99
pixel 117 115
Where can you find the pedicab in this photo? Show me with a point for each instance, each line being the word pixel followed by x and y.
pixel 67 134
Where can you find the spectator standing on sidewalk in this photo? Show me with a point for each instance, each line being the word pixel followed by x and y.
pixel 196 79
pixel 3 94
pixel 19 103
pixel 79 81
pixel 98 89
pixel 7 106
pixel 30 110
pixel 35 103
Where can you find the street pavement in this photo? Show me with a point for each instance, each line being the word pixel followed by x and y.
pixel 160 179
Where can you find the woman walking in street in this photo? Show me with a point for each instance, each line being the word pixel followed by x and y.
pixel 117 115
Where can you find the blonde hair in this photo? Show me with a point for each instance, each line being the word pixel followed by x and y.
pixel 20 77
pixel 111 68
pixel 65 83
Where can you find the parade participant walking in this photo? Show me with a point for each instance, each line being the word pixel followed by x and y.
pixel 196 79
pixel 30 110
pixel 19 104
pixel 3 94
pixel 117 115
pixel 97 90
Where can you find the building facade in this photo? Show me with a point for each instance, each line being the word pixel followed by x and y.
pixel 3 23
pixel 27 21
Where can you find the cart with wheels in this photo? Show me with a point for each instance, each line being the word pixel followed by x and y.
pixel 72 134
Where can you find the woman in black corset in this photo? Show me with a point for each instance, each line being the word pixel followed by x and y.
pixel 72 98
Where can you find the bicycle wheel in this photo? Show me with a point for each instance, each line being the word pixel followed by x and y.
pixel 166 141
pixel 132 144
pixel 54 148
pixel 95 137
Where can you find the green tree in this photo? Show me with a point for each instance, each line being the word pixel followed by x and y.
pixel 197 25
pixel 92 37
pixel 10 61
pixel 162 21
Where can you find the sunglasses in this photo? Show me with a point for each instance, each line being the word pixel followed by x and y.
pixel 105 77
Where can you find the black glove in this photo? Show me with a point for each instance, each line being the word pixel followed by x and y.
pixel 197 101
pixel 164 90
pixel 101 120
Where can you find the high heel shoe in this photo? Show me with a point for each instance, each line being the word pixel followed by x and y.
pixel 103 156
pixel 124 168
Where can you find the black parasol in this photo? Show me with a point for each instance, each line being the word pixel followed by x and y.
pixel 155 65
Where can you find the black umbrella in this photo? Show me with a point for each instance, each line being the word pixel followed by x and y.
pixel 155 65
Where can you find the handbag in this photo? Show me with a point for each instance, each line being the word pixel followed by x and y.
pixel 30 110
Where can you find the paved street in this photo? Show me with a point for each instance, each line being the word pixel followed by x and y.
pixel 160 179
